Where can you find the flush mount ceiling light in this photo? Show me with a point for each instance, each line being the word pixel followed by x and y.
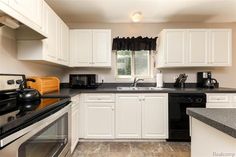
pixel 136 16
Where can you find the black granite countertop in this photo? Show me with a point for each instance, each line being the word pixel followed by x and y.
pixel 73 92
pixel 221 119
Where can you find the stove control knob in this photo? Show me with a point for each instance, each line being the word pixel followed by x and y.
pixel 18 81
pixel 10 82
pixel 190 100
pixel 199 100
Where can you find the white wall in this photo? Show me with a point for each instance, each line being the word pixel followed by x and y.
pixel 226 76
pixel 10 64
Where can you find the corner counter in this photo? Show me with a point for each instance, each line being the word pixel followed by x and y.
pixel 213 132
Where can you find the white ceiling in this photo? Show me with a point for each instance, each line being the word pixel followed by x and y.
pixel 154 11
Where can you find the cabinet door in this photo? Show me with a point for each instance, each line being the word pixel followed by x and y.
pixel 64 43
pixel 128 116
pixel 81 48
pixel 221 47
pixel 30 9
pixel 99 120
pixel 175 47
pixel 74 128
pixel 198 49
pixel 51 29
pixel 101 48
pixel 154 116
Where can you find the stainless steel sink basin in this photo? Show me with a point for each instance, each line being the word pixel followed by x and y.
pixel 142 88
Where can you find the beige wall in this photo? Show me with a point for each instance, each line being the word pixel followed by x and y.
pixel 226 76
pixel 10 64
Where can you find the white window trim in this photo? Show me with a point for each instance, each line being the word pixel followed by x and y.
pixel 132 76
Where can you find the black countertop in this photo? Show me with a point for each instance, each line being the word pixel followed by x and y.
pixel 221 119
pixel 73 92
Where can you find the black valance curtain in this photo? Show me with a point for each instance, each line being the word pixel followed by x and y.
pixel 134 44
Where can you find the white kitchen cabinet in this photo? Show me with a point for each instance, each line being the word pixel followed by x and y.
pixel 128 116
pixel 99 120
pixel 195 48
pixel 90 48
pixel 55 48
pixel 220 100
pixel 74 122
pixel 81 48
pixel 30 9
pixel 154 116
pixel 221 47
pixel 102 48
pixel 63 53
pixel 175 54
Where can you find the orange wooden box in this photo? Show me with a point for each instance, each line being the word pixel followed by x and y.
pixel 45 84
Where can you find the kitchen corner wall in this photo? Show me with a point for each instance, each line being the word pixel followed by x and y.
pixel 10 64
pixel 225 76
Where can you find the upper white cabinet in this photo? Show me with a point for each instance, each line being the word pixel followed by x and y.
pixel 27 12
pixel 195 48
pixel 90 48
pixel 178 47
pixel 55 48
pixel 220 47
pixel 63 42
pixel 50 45
pixel 30 9
pixel 81 47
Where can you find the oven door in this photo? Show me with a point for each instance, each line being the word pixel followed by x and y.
pixel 49 138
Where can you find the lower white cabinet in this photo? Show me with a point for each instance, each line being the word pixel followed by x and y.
pixel 74 122
pixel 221 100
pixel 99 120
pixel 142 116
pixel 128 116
pixel 154 116
pixel 124 116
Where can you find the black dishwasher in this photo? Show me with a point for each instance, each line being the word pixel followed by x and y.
pixel 178 119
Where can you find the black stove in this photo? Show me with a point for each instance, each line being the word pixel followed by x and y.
pixel 16 115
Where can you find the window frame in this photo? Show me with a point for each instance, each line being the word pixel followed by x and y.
pixel 132 76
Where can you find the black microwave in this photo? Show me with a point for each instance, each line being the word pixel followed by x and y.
pixel 83 81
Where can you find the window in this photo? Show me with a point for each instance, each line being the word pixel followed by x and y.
pixel 133 63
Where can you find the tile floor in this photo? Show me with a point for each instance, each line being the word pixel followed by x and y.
pixel 132 149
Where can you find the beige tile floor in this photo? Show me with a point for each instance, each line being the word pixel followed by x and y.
pixel 132 149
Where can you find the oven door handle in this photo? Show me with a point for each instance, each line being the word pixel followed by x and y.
pixel 26 133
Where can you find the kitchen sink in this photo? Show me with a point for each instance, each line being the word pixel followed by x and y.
pixel 142 88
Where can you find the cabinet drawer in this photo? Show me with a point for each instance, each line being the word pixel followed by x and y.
pixel 219 105
pixel 218 98
pixel 99 98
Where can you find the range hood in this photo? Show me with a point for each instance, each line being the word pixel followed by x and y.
pixel 24 27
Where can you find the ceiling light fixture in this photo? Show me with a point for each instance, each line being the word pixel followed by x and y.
pixel 136 17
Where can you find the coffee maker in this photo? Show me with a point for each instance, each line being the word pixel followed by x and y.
pixel 205 80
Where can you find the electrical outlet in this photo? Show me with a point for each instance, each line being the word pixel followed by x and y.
pixel 102 79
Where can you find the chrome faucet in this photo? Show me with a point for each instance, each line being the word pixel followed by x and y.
pixel 136 80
